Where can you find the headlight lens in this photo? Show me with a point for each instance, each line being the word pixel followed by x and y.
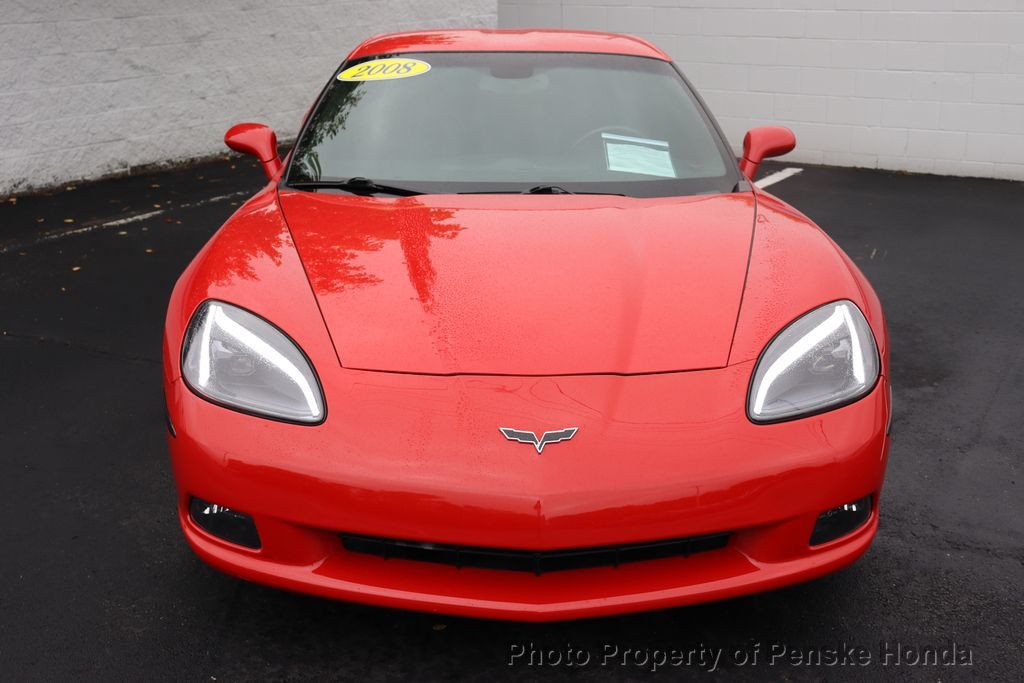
pixel 822 360
pixel 240 360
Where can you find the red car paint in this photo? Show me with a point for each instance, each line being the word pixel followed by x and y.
pixel 484 40
pixel 761 143
pixel 639 269
pixel 257 140
pixel 638 320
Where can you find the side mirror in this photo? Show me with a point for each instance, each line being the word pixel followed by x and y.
pixel 257 140
pixel 763 143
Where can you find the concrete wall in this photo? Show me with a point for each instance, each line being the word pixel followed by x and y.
pixel 932 86
pixel 93 87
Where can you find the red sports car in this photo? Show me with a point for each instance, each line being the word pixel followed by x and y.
pixel 510 333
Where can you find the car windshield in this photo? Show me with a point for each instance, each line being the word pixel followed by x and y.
pixel 511 122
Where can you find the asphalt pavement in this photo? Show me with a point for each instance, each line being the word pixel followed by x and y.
pixel 96 581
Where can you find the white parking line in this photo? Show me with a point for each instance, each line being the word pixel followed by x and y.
pixel 777 177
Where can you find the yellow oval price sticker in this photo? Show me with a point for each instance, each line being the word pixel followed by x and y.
pixel 384 70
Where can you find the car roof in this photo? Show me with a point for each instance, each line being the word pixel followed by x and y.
pixel 494 40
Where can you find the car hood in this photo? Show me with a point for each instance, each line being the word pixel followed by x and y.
pixel 525 285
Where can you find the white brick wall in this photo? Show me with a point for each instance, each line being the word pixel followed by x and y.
pixel 932 86
pixel 93 87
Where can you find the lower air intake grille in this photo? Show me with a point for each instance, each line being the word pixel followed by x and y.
pixel 528 560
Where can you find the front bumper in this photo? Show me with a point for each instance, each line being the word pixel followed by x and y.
pixel 420 458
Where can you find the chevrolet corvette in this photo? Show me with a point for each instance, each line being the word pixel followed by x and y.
pixel 511 333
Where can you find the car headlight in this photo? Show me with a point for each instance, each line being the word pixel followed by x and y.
pixel 237 359
pixel 824 359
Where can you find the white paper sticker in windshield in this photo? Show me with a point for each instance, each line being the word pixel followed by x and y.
pixel 638 155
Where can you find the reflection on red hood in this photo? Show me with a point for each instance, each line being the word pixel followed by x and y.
pixel 525 285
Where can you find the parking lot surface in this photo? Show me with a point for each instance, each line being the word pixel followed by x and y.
pixel 96 581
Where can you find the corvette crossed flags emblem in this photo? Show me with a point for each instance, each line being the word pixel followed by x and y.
pixel 531 438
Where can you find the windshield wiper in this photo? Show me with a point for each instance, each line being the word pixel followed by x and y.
pixel 547 189
pixel 555 189
pixel 357 185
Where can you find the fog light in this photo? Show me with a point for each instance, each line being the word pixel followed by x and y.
pixel 225 523
pixel 840 521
